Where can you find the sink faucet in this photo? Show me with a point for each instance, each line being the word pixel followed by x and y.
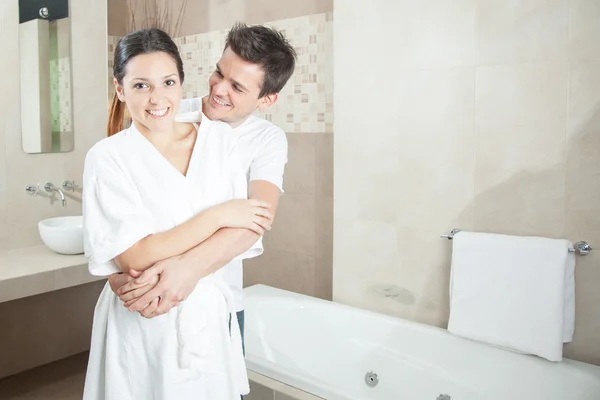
pixel 49 187
pixel 69 185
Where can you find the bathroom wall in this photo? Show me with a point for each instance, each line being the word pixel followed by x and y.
pixel 476 115
pixel 201 16
pixel 299 249
pixel 19 212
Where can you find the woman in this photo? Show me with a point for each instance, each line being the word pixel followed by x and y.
pixel 154 191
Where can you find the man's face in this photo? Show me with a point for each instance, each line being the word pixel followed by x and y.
pixel 234 89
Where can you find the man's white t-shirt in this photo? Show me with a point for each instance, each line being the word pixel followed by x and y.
pixel 263 148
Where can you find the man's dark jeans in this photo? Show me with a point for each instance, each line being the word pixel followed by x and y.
pixel 240 317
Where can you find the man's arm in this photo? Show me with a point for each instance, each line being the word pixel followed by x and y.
pixel 228 243
pixel 206 258
pixel 159 246
pixel 266 183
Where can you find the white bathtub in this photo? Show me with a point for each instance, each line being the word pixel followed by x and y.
pixel 326 349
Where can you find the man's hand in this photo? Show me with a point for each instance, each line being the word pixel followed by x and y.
pixel 176 280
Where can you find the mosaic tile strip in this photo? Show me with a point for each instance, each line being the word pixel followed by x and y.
pixel 304 105
pixel 60 92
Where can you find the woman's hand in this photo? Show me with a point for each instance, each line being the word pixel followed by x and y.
pixel 244 213
pixel 128 291
pixel 176 280
pixel 120 279
pixel 132 291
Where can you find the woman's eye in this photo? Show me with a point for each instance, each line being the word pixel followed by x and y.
pixel 170 82
pixel 140 86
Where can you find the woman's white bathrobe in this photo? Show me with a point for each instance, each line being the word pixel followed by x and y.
pixel 131 191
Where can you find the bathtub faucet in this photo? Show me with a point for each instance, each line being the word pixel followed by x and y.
pixel 49 187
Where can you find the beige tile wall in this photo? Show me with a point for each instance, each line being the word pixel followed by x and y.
pixel 480 115
pixel 299 250
pixel 117 17
pixel 201 16
pixel 65 316
pixel 303 102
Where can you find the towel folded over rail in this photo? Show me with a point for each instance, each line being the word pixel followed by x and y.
pixel 513 292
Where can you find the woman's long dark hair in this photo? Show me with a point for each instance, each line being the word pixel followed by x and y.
pixel 133 44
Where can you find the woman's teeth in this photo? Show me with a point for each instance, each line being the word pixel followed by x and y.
pixel 158 113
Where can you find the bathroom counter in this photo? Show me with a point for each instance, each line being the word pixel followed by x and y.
pixel 35 270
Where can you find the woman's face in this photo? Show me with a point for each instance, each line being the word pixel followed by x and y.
pixel 152 90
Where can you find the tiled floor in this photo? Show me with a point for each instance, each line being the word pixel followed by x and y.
pixel 61 380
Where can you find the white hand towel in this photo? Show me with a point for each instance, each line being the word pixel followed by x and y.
pixel 513 292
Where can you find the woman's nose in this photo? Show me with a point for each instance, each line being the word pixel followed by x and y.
pixel 156 96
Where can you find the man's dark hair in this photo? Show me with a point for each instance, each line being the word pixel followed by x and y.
pixel 267 48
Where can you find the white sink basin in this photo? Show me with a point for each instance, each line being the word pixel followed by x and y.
pixel 63 235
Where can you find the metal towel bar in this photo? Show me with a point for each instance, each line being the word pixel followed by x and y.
pixel 581 247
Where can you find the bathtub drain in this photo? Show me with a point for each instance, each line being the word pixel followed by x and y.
pixel 444 397
pixel 371 379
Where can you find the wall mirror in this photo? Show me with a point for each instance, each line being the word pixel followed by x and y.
pixel 46 79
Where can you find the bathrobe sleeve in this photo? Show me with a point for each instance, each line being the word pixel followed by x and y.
pixel 114 216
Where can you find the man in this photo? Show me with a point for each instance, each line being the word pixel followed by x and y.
pixel 256 64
